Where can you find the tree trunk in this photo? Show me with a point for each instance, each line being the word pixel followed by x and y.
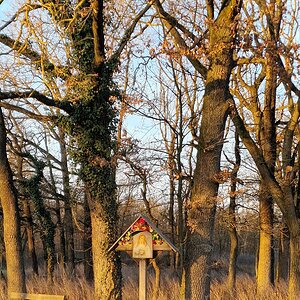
pixel 68 220
pixel 27 216
pixel 294 272
pixel 283 255
pixel 233 255
pixel 232 259
pixel 87 243
pixel 47 228
pixel 201 210
pixel 107 271
pixel 180 222
pixel 202 206
pixel 59 225
pixel 61 232
pixel 156 287
pixel 30 237
pixel 207 176
pixel 265 266
pixel 11 220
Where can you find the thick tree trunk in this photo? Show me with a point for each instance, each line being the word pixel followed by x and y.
pixel 201 210
pixel 207 176
pixel 11 220
pixel 107 271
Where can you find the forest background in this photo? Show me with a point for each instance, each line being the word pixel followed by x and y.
pixel 187 111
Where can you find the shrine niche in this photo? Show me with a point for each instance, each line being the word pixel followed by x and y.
pixel 160 241
pixel 142 245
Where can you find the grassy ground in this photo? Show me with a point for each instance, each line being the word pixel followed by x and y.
pixel 80 289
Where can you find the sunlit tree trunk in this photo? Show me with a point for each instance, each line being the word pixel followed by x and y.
pixel 265 269
pixel 11 220
pixel 265 265
pixel 294 272
pixel 202 207
pixel 107 278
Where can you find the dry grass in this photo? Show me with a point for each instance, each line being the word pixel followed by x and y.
pixel 169 285
pixel 74 288
pixel 246 290
pixel 79 289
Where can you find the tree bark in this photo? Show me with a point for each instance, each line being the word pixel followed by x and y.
pixel 87 243
pixel 232 229
pixel 283 255
pixel 11 220
pixel 265 269
pixel 59 223
pixel 107 278
pixel 265 266
pixel 294 272
pixel 30 236
pixel 202 207
pixel 27 216
pixel 68 219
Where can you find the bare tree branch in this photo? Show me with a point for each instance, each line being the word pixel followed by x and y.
pixel 24 111
pixel 27 51
pixel 115 57
pixel 64 105
pixel 172 24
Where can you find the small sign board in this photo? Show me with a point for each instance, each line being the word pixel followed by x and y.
pixel 155 238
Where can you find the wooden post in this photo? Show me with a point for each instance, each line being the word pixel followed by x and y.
pixel 142 279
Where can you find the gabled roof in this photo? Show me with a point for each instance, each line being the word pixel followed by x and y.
pixel 162 236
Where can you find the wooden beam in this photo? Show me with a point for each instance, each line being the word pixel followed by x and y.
pixel 142 279
pixel 23 296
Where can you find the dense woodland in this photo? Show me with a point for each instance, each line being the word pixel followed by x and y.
pixel 185 111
